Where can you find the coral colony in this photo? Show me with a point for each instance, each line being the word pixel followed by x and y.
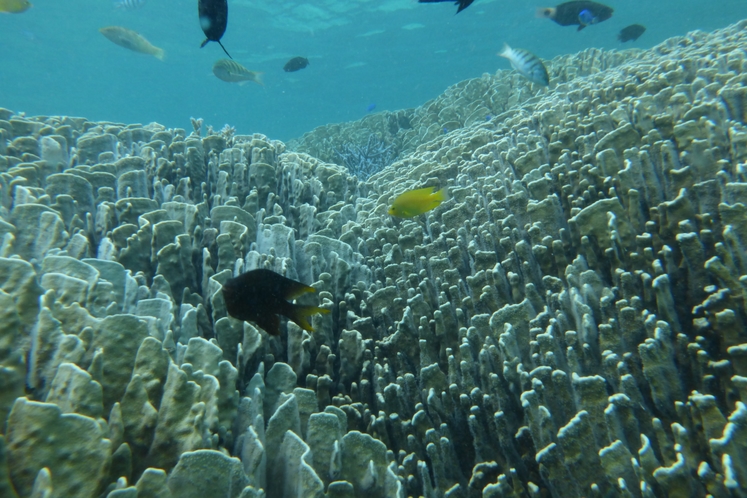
pixel 568 322
pixel 365 160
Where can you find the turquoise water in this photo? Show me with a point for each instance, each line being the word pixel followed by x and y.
pixel 394 53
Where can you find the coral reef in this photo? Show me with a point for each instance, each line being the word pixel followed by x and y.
pixel 570 322
pixel 363 161
pixel 492 97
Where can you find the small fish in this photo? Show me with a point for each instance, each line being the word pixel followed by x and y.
pixel 213 20
pixel 527 64
pixel 29 35
pixel 259 296
pixel 14 6
pixel 463 4
pixel 128 4
pixel 632 32
pixel 370 107
pixel 233 72
pixel 414 202
pixel 295 64
pixel 581 13
pixel 131 40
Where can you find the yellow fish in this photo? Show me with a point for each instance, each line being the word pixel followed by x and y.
pixel 14 6
pixel 131 40
pixel 414 202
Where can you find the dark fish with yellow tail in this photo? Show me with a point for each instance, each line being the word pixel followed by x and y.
pixel 213 21
pixel 581 13
pixel 415 202
pixel 14 6
pixel 131 40
pixel 233 72
pixel 632 32
pixel 262 296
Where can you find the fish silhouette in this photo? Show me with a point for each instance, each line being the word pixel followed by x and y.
pixel 233 72
pixel 261 295
pixel 213 21
pixel 295 64
pixel 579 13
pixel 631 32
pixel 527 64
pixel 462 4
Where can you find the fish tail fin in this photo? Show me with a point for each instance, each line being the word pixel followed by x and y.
pixel 436 198
pixel 224 49
pixel 160 54
pixel 506 50
pixel 301 314
pixel 258 78
pixel 462 4
pixel 545 12
pixel 581 26
pixel 205 43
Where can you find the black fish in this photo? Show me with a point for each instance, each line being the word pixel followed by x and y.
pixel 463 4
pixel 631 32
pixel 213 20
pixel 260 296
pixel 576 12
pixel 295 64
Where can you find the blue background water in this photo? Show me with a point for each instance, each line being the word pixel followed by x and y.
pixel 395 53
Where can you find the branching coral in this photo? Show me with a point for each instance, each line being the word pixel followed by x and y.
pixel 363 161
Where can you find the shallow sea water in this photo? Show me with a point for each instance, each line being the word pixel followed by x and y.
pixel 396 54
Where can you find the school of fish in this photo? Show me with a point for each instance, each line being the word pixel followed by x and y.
pixel 263 296
pixel 213 19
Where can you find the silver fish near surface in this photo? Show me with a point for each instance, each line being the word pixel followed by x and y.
pixel 128 4
pixel 527 64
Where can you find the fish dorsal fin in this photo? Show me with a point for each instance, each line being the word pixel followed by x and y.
pixel 292 289
pixel 276 284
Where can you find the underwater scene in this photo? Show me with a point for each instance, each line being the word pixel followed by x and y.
pixel 406 248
